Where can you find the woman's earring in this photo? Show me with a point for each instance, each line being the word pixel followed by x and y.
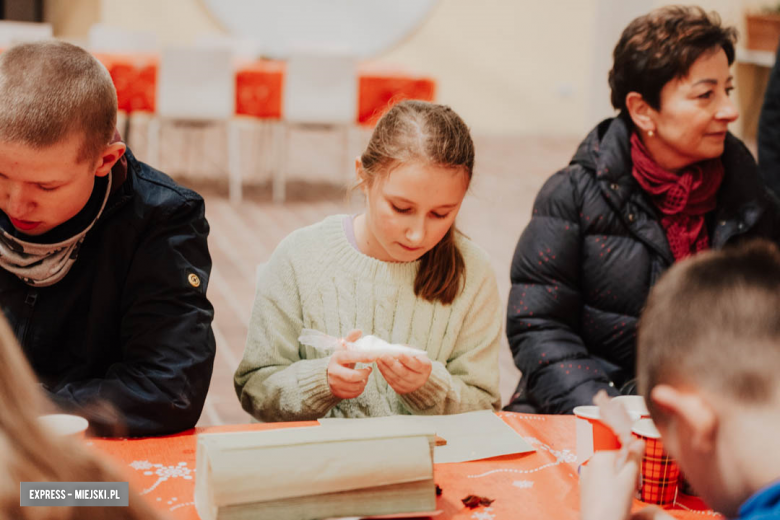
pixel 650 133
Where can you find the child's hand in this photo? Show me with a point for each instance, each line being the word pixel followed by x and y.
pixel 607 487
pixel 651 513
pixel 345 381
pixel 405 373
pixel 351 337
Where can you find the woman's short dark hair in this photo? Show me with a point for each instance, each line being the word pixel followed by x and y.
pixel 661 46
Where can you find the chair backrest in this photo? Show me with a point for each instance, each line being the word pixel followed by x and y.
pixel 196 84
pixel 320 87
pixel 12 33
pixel 105 38
pixel 243 49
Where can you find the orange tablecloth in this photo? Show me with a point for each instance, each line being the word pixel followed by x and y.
pixel 259 87
pixel 543 484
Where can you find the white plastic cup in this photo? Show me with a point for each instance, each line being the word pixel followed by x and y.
pixel 64 425
pixel 634 403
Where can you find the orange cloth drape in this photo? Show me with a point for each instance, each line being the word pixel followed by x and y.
pixel 260 87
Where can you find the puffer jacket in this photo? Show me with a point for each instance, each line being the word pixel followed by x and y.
pixel 583 267
pixel 125 337
pixel 769 131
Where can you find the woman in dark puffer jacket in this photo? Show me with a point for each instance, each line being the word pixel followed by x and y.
pixel 658 183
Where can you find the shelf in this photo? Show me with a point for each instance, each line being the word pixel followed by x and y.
pixel 760 58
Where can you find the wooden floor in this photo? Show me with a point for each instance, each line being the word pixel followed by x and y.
pixel 508 173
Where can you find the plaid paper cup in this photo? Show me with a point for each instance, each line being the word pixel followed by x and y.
pixel 685 487
pixel 660 472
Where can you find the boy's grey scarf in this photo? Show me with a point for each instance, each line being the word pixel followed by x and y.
pixel 41 265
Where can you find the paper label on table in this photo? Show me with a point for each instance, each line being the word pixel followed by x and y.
pixel 470 436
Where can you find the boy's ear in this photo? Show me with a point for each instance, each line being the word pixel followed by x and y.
pixel 641 113
pixel 695 420
pixel 111 154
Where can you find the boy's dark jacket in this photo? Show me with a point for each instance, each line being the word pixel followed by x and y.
pixel 583 267
pixel 126 330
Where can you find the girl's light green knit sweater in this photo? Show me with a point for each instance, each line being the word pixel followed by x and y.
pixel 315 279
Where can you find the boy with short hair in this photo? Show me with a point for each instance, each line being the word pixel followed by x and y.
pixel 708 357
pixel 104 262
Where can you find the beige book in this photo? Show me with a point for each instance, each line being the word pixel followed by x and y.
pixel 410 497
pixel 288 469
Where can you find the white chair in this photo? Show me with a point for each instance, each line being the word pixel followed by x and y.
pixel 106 38
pixel 321 88
pixel 242 48
pixel 198 85
pixel 12 33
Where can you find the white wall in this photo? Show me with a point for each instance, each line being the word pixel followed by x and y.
pixel 174 21
pixel 530 66
pixel 72 20
pixel 508 66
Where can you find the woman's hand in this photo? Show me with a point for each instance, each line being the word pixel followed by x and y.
pixel 345 381
pixel 607 485
pixel 405 373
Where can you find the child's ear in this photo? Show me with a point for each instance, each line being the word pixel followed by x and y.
pixel 359 169
pixel 695 421
pixel 360 174
pixel 111 154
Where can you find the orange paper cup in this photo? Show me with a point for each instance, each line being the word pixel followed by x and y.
pixel 660 472
pixel 592 434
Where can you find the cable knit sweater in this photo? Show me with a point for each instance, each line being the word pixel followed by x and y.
pixel 315 279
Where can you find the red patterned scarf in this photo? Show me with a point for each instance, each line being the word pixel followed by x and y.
pixel 683 198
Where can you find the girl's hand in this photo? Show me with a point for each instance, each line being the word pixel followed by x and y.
pixel 405 373
pixel 345 381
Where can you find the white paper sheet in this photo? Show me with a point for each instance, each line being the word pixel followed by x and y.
pixel 470 436
pixel 419 514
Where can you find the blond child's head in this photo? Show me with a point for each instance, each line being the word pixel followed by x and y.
pixel 415 172
pixel 57 118
pixel 708 361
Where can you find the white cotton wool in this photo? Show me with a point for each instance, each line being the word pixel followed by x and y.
pixel 372 344
pixel 377 345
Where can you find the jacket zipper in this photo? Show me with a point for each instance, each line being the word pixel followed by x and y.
pixel 29 305
pixel 628 212
pixel 721 238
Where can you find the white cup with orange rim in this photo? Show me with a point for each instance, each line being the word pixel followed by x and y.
pixel 592 434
